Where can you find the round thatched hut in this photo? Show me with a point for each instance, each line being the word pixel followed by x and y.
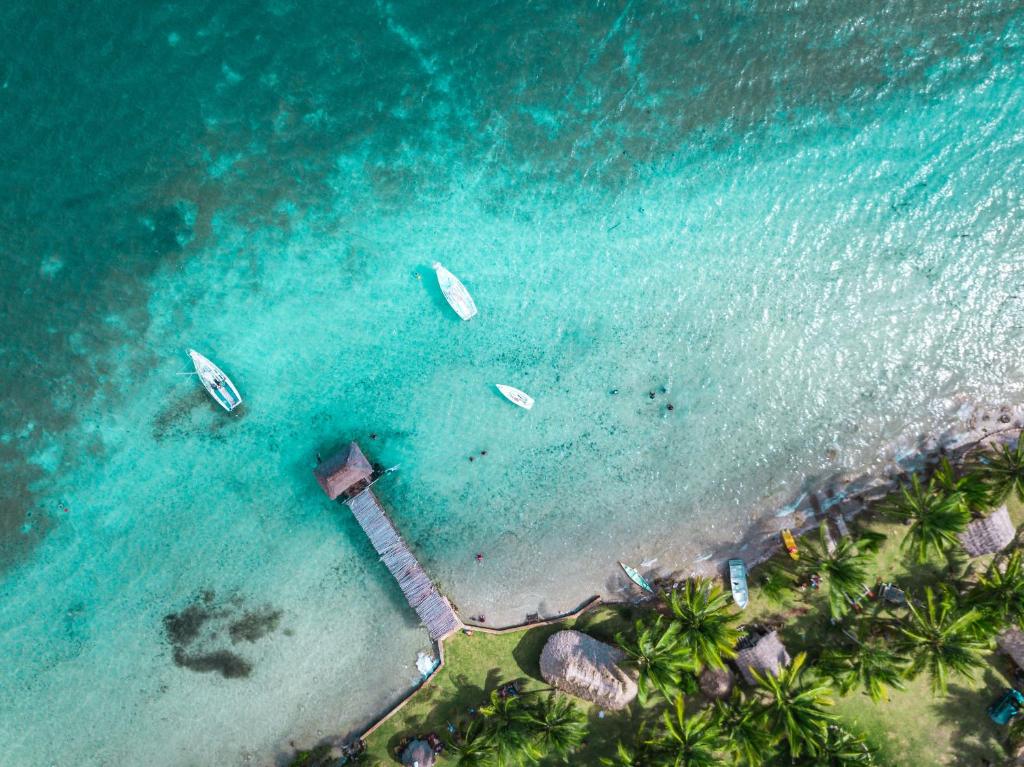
pixel 419 754
pixel 582 666
pixel 766 656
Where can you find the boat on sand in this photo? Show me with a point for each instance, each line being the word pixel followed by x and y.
pixel 515 396
pixel 738 582
pixel 635 576
pixel 216 382
pixel 790 543
pixel 455 292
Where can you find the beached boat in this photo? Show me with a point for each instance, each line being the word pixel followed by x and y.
pixel 790 543
pixel 738 582
pixel 515 396
pixel 455 292
pixel 635 576
pixel 216 382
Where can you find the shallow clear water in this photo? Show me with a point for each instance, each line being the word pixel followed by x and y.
pixel 803 221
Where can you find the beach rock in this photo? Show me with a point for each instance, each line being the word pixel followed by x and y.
pixel 716 683
pixel 586 668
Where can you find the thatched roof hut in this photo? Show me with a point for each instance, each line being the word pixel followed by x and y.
pixel 988 535
pixel 768 655
pixel 716 683
pixel 344 471
pixel 582 666
pixel 1011 642
pixel 419 754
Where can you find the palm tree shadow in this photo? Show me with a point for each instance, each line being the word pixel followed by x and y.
pixel 964 712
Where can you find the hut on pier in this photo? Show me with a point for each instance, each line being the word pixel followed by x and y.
pixel 345 473
pixel 766 656
pixel 988 535
pixel 348 475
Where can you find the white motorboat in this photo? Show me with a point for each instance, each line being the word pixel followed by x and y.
pixel 515 396
pixel 216 382
pixel 455 292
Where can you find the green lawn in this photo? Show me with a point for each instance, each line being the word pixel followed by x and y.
pixel 912 728
pixel 477 664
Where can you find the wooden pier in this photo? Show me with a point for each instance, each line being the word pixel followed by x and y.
pixel 434 610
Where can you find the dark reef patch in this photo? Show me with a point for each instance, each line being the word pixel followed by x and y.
pixel 199 632
pixel 254 625
pixel 224 662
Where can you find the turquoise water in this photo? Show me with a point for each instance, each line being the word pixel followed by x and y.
pixel 799 224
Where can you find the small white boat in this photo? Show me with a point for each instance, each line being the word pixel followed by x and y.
pixel 216 382
pixel 455 292
pixel 515 396
pixel 738 582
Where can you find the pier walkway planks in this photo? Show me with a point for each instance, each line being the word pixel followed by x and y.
pixel 434 609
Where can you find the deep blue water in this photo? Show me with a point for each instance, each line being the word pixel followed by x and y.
pixel 800 224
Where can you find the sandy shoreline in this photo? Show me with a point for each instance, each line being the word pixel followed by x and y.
pixel 841 495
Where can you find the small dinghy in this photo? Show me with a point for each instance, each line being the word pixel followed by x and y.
pixel 455 292
pixel 738 582
pixel 790 543
pixel 216 382
pixel 515 396
pixel 635 576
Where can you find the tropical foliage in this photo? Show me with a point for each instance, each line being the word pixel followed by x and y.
pixel 943 637
pixel 1003 472
pixel 999 593
pixel 870 664
pixel 659 656
pixel 843 570
pixel 796 707
pixel 700 609
pixel 749 742
pixel 841 749
pixel 688 741
pixel 935 518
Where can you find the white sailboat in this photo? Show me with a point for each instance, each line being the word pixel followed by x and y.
pixel 513 395
pixel 455 292
pixel 216 382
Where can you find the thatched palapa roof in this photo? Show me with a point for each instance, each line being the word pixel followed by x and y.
pixel 767 656
pixel 418 754
pixel 1011 642
pixel 582 666
pixel 343 471
pixel 988 535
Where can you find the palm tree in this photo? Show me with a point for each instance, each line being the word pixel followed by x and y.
pixel 556 727
pixel 843 571
pixel 934 518
pixel 1000 591
pixel 870 664
pixel 1003 472
pixel 794 708
pixel 658 655
pixel 968 489
pixel 941 638
pixel 638 756
pixel 741 718
pixel 841 749
pixel 507 732
pixel 701 610
pixel 689 741
pixel 471 750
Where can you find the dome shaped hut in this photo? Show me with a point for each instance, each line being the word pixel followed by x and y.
pixel 419 754
pixel 581 666
pixel 987 535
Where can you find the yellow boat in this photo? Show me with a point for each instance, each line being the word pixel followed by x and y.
pixel 790 542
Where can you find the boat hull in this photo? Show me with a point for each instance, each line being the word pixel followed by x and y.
pixel 635 576
pixel 455 293
pixel 515 396
pixel 216 382
pixel 738 582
